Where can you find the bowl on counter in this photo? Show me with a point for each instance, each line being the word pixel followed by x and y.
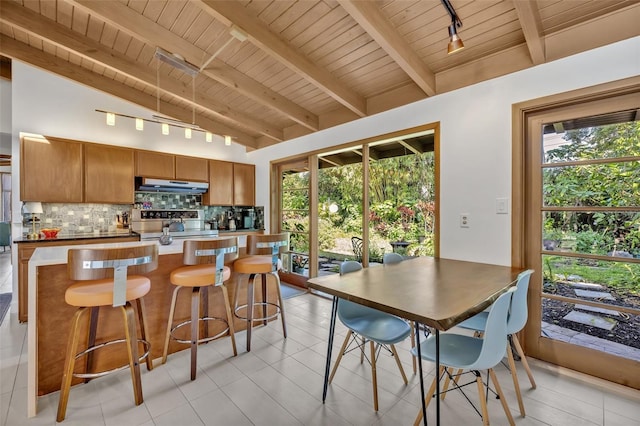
pixel 50 232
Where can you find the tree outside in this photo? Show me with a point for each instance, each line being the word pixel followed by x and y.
pixel 591 236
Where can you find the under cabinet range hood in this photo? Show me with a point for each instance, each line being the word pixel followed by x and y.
pixel 170 185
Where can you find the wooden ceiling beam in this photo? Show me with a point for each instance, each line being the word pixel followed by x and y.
pixel 233 13
pixel 410 147
pixel 20 51
pixel 531 23
pixel 35 24
pixel 368 16
pixel 132 23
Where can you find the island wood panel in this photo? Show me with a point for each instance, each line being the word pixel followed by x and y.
pixel 51 170
pixel 155 164
pixel 220 184
pixel 108 174
pixel 25 251
pixel 244 184
pixel 54 320
pixel 192 168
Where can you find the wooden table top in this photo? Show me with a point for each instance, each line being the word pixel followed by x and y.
pixel 437 292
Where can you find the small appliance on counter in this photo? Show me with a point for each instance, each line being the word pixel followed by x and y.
pixel 166 225
pixel 123 220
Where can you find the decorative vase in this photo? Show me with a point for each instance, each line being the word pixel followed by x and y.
pixel 165 238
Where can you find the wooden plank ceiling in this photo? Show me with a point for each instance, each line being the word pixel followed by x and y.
pixel 304 65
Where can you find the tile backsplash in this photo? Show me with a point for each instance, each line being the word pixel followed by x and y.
pixel 78 218
pixel 89 218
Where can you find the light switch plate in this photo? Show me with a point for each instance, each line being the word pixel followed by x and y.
pixel 502 205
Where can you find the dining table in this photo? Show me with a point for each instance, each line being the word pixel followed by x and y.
pixel 435 292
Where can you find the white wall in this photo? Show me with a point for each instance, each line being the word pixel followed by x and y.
pixel 475 135
pixel 475 143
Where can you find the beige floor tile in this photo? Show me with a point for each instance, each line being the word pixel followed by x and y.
pixel 215 408
pixel 257 405
pixel 183 415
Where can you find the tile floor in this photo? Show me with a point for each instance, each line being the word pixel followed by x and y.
pixel 280 383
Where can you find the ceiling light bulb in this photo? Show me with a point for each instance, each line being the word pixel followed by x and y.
pixel 111 119
pixel 187 133
pixel 455 42
pixel 227 140
pixel 208 136
pixel 139 124
pixel 165 129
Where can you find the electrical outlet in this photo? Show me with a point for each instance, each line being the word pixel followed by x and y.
pixel 464 220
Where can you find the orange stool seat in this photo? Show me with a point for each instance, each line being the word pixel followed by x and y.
pixel 263 261
pixel 254 265
pixel 197 275
pixel 204 268
pixel 101 280
pixel 100 292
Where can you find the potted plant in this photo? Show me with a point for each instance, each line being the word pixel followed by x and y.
pixel 298 263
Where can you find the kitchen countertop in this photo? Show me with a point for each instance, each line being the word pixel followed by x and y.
pixel 80 236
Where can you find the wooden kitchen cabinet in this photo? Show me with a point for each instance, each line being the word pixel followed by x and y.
pixel 220 184
pixel 191 168
pixel 155 165
pixel 25 251
pixel 51 170
pixel 244 184
pixel 108 174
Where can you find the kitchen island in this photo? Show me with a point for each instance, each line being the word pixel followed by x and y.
pixel 47 334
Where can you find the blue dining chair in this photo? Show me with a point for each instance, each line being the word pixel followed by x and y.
pixel 392 259
pixel 516 321
pixel 471 355
pixel 366 324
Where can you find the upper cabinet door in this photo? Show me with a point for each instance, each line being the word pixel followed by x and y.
pixel 155 165
pixel 244 184
pixel 192 169
pixel 220 184
pixel 108 174
pixel 50 170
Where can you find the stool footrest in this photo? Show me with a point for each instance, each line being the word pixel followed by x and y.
pixel 147 350
pixel 255 319
pixel 204 339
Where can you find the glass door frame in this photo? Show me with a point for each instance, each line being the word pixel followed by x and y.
pixel 528 118
pixel 311 159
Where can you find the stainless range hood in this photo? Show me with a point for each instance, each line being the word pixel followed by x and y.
pixel 168 185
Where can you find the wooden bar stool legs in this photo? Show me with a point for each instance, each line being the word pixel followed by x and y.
pixel 131 339
pixel 199 297
pixel 264 303
pixel 204 269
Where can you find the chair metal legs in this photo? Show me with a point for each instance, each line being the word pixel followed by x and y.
pixel 481 395
pixel 373 354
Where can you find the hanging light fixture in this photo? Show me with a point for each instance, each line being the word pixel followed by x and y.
pixel 178 62
pixel 455 42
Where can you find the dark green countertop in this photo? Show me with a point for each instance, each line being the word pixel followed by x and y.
pixel 79 236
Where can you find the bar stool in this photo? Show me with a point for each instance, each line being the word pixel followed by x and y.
pixel 102 279
pixel 263 260
pixel 205 268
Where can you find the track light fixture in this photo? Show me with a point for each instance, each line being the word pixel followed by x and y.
pixel 455 42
